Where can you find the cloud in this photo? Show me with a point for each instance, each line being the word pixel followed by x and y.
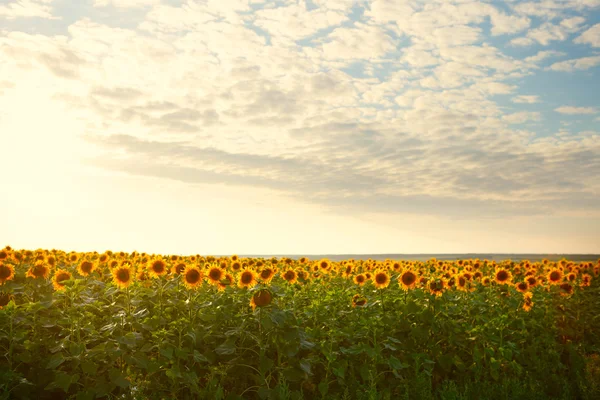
pixel 543 55
pixel 576 110
pixel 549 32
pixel 576 64
pixel 522 117
pixel 527 99
pixel 125 3
pixel 359 42
pixel 27 9
pixel 591 36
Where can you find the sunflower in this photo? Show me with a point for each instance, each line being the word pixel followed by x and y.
pixel 227 280
pixel 531 281
pixel 157 268
pixel 85 268
pixel 290 276
pixel 408 280
pixel 555 276
pixel 59 277
pixel 571 277
pixel 527 302
pixel 324 265
pixel 73 257
pixel 123 275
pixel 381 279
pixel 486 281
pixel 192 277
pixel 360 279
pixel 348 269
pixel 358 301
pixel 566 289
pixel 247 278
pixel 236 266
pixel 261 298
pixel 522 287
pixel 4 254
pixel 178 268
pixel 144 277
pixel 267 274
pixel 461 283
pixel 234 257
pixel 39 270
pixel 503 276
pixel 7 273
pixel 215 274
pixel 586 280
pixel 4 300
pixel 436 287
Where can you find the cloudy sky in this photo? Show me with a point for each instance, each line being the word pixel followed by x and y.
pixel 299 127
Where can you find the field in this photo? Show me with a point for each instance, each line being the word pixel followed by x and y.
pixel 121 325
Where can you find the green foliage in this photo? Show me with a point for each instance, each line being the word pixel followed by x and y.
pixel 94 340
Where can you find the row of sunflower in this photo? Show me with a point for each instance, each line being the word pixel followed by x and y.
pixel 116 324
pixel 434 276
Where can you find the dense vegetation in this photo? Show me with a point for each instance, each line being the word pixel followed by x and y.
pixel 120 325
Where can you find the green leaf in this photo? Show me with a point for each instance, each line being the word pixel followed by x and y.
pixel 323 387
pixel 167 352
pixel 446 361
pixel 199 357
pixel 89 367
pixel 117 378
pixel 226 348
pixel 305 366
pixel 396 364
pixel 55 361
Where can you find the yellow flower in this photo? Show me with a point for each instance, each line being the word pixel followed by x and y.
pixel 123 275
pixel 192 277
pixel 7 273
pixel 408 279
pixel 59 277
pixel 381 279
pixel 247 278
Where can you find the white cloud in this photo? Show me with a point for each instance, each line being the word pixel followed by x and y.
pixel 549 32
pixel 360 42
pixel 591 36
pixel 521 117
pixel 27 8
pixel 125 3
pixel 576 110
pixel 576 64
pixel 544 54
pixel 503 24
pixel 527 99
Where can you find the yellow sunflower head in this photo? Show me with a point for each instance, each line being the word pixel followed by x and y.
pixel 247 278
pixel 215 274
pixel 59 277
pixel 261 298
pixel 381 279
pixel 85 268
pixel 408 280
pixel 503 276
pixel 38 270
pixel 360 279
pixel 192 277
pixel 157 268
pixel 7 272
pixel 123 275
pixel 290 276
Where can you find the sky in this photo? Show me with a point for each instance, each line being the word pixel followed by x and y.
pixel 300 127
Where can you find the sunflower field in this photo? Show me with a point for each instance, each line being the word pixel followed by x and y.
pixel 118 325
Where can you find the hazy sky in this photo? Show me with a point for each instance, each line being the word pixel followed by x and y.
pixel 321 126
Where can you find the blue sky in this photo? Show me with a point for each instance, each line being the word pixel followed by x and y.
pixel 358 126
